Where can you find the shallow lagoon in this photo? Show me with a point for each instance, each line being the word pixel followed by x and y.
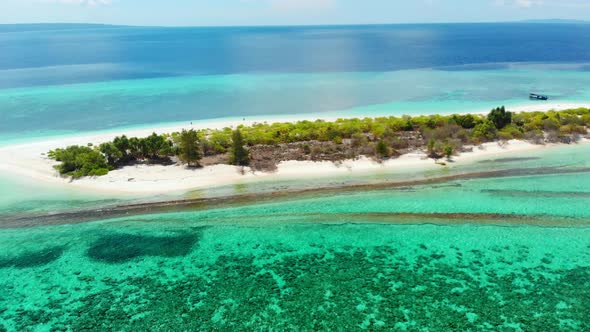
pixel 182 273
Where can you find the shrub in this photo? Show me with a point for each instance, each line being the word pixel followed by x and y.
pixel 551 124
pixel 443 132
pixel 306 149
pixel 448 151
pixel 572 129
pixel 510 132
pixel 534 136
pixel 435 149
pixel 408 125
pixel 463 136
pixel 485 131
pixel 78 161
pixel 400 144
pixel 382 150
pixel 466 121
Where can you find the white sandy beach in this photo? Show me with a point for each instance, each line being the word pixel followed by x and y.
pixel 29 160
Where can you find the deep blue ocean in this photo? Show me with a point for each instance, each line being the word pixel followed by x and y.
pixel 114 53
pixel 94 77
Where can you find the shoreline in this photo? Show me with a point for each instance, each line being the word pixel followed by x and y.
pixel 159 179
pixel 142 130
pixel 28 160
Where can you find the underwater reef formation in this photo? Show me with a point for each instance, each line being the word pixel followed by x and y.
pixel 32 258
pixel 118 248
pixel 344 288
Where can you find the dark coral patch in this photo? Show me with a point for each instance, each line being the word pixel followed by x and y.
pixel 32 258
pixel 119 248
pixel 359 289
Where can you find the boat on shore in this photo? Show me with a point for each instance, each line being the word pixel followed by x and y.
pixel 535 96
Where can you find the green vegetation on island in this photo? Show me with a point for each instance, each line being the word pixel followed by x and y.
pixel 263 145
pixel 78 161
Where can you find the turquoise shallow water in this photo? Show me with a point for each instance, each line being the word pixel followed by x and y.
pixel 182 273
pixel 534 195
pixel 22 195
pixel 30 112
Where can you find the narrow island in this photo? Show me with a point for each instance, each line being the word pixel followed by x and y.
pixel 263 146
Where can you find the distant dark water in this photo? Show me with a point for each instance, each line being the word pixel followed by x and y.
pixel 143 52
pixel 138 76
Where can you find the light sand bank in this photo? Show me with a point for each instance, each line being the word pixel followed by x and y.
pixel 542 106
pixel 29 160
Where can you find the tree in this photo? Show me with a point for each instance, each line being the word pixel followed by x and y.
pixel 156 146
pixel 500 118
pixel 189 148
pixel 123 145
pixel 144 149
pixel 135 148
pixel 239 155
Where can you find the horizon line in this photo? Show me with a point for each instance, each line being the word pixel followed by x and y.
pixel 533 21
